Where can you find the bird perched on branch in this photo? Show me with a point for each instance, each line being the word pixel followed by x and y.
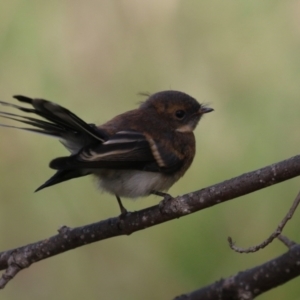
pixel 140 152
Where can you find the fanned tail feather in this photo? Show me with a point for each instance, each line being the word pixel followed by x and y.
pixel 58 122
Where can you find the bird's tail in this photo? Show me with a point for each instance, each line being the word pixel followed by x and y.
pixel 55 121
pixel 58 122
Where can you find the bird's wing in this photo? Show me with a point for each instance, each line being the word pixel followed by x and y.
pixel 124 150
pixel 58 122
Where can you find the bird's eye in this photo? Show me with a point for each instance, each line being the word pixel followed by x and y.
pixel 180 114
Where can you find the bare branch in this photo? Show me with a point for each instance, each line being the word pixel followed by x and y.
pixel 274 234
pixel 251 283
pixel 71 238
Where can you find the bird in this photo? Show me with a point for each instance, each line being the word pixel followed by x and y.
pixel 137 153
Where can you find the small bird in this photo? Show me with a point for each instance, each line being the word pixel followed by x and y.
pixel 140 152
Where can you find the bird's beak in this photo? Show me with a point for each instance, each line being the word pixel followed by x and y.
pixel 205 110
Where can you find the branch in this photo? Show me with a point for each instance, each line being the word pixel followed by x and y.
pixel 274 234
pixel 70 238
pixel 251 283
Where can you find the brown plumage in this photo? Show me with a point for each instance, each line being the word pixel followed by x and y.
pixel 134 154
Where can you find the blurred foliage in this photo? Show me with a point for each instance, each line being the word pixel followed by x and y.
pixel 94 57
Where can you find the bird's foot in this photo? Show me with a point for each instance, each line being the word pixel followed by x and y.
pixel 163 203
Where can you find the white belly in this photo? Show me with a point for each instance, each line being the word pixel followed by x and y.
pixel 132 183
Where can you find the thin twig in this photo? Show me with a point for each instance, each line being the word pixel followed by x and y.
pixel 274 235
pixel 286 241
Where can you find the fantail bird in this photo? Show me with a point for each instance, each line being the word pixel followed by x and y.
pixel 140 152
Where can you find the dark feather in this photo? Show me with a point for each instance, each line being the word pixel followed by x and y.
pixel 59 116
pixel 61 123
pixel 60 176
pixel 125 150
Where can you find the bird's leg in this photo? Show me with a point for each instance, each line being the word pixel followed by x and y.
pixel 122 208
pixel 165 195
pixel 162 204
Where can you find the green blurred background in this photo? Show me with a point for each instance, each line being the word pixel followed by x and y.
pixel 94 57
